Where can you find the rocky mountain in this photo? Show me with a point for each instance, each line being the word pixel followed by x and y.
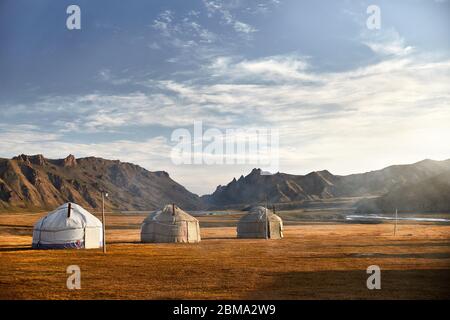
pixel 429 195
pixel 281 188
pixel 382 181
pixel 34 182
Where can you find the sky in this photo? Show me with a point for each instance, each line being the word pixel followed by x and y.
pixel 341 96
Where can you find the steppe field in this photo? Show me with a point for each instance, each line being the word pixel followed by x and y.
pixel 315 260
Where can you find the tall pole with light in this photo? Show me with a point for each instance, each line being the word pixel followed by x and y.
pixel 267 220
pixel 396 218
pixel 104 194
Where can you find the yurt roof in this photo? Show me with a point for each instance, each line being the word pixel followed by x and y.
pixel 166 214
pixel 259 214
pixel 58 219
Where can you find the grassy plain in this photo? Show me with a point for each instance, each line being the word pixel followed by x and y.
pixel 315 260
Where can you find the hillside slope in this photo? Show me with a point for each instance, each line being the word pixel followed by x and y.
pixel 429 195
pixel 279 187
pixel 34 182
pixel 283 188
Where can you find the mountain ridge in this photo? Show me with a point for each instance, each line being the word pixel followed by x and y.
pixel 35 182
pixel 32 182
pixel 431 195
pixel 282 187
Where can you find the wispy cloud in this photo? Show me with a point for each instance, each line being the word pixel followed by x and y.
pixel 210 64
pixel 388 43
pixel 163 23
pixel 106 75
pixel 223 9
pixel 268 69
pixel 182 32
pixel 152 153
pixel 389 112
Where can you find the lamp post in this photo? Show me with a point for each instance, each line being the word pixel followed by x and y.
pixel 267 220
pixel 104 194
pixel 396 218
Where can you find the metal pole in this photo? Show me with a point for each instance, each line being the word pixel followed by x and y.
pixel 103 222
pixel 267 221
pixel 395 226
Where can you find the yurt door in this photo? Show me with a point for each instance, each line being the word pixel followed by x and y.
pixel 192 232
pixel 274 230
pixel 91 238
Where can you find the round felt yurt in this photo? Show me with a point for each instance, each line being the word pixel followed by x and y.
pixel 170 224
pixel 68 226
pixel 260 223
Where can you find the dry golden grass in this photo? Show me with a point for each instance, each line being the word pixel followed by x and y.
pixel 312 261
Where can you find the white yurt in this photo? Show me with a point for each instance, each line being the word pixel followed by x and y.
pixel 253 224
pixel 68 226
pixel 171 224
